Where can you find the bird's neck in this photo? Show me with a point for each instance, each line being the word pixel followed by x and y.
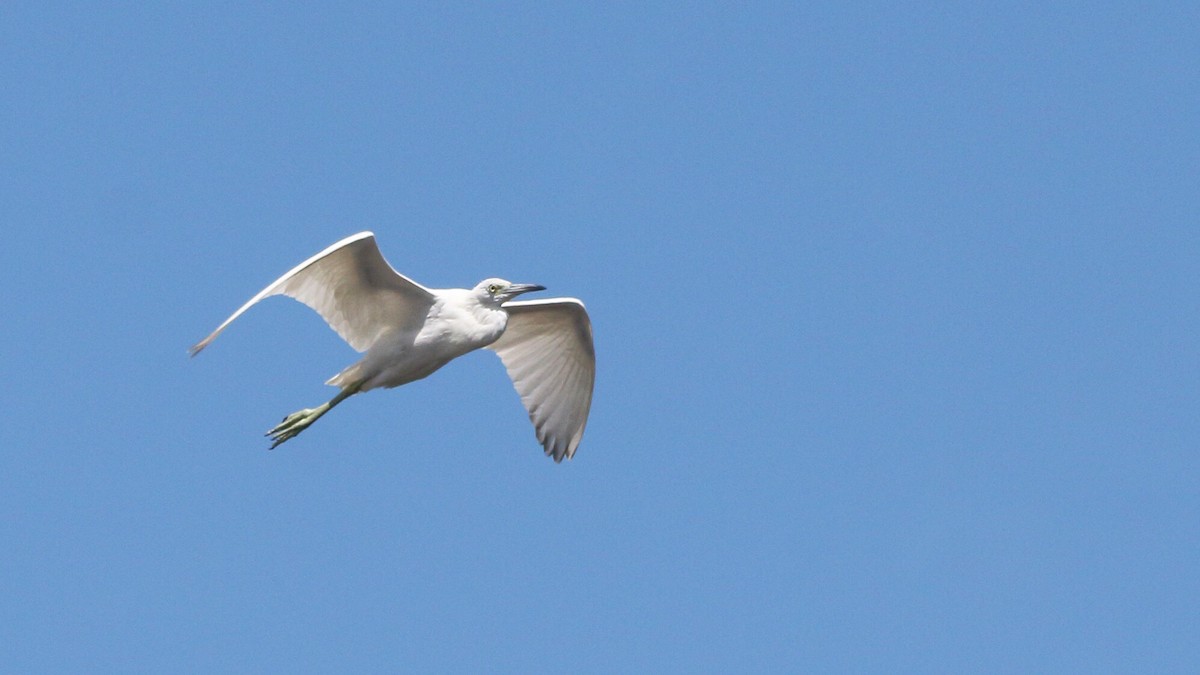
pixel 467 321
pixel 491 322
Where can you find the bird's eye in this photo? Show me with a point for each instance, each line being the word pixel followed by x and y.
pixel 493 288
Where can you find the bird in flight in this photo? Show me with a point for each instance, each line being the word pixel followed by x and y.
pixel 407 332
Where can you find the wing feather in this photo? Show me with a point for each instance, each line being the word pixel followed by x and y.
pixel 353 288
pixel 548 352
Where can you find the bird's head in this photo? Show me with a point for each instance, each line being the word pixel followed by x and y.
pixel 499 291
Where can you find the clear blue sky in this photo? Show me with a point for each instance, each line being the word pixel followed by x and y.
pixel 895 312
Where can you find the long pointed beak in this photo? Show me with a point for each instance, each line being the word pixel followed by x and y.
pixel 517 289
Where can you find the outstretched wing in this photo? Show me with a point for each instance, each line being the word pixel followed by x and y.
pixel 353 288
pixel 547 350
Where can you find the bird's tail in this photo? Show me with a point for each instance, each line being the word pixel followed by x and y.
pixel 348 378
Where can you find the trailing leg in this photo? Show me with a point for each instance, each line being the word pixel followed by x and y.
pixel 300 420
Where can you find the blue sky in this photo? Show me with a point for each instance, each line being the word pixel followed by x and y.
pixel 894 311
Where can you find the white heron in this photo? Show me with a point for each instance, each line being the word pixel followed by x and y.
pixel 408 331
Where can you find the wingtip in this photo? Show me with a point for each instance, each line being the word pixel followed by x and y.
pixel 199 347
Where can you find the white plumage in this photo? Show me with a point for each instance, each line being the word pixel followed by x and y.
pixel 408 331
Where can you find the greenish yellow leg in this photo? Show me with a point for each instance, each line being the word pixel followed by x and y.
pixel 293 424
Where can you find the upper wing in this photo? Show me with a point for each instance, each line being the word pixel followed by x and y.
pixel 547 349
pixel 353 288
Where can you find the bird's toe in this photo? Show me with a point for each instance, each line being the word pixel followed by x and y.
pixel 291 426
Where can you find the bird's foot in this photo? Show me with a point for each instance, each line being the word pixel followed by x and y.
pixel 293 424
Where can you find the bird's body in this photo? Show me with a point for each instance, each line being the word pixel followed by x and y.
pixel 456 323
pixel 408 332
